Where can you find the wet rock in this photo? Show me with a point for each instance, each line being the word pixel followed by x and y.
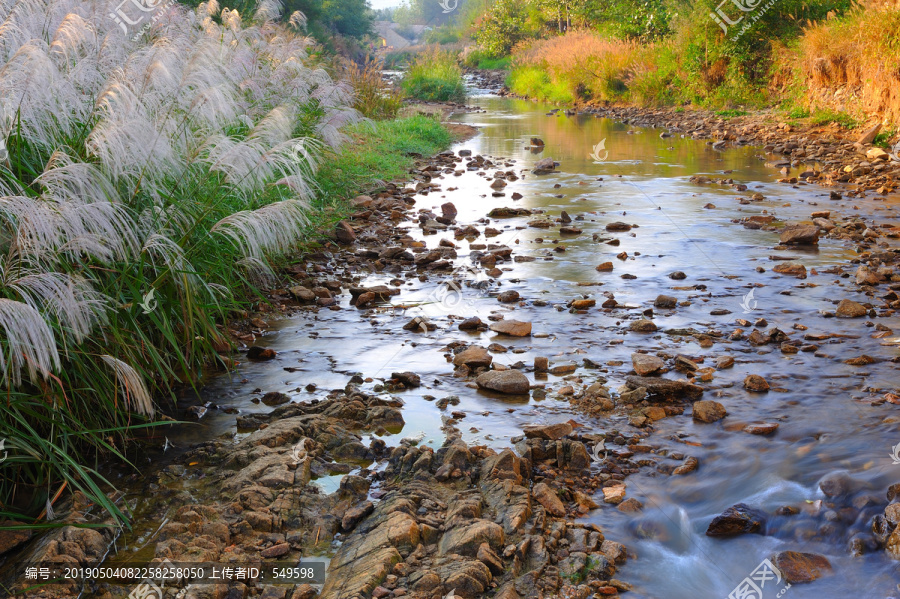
pixel 689 465
pixel 645 364
pixel 605 267
pixel 799 567
pixel 800 235
pixel 275 550
pixel 643 326
pixel 550 432
pixel 549 499
pixel 448 211
pixel 468 579
pixel 766 428
pixel 261 353
pixel 794 269
pixel 892 545
pixel 677 276
pixel 471 324
pixel 274 398
pixel 356 513
pixel 630 505
pixel 510 382
pixel 474 357
pixel 545 166
pixel 514 328
pixel 836 484
pixel 737 520
pixel 302 294
pixel 665 388
pixel 754 382
pixel 850 309
pixel 508 297
pixel 709 411
pixel 419 324
pixel 618 226
pixel 344 233
pixel 665 302
pixel 409 379
pixel 614 494
pixel 563 369
pixel 723 362
pixel 490 559
pixel 583 304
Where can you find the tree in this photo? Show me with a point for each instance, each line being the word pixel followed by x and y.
pixel 352 18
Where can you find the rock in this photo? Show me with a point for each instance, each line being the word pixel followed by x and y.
pixel 630 505
pixel 876 154
pixel 850 309
pixel 12 538
pixel 643 326
pixel 864 276
pixel 541 364
pixel 448 211
pixel 302 294
pixel 870 135
pixel 799 567
pixel 723 362
pixel 584 304
pixel 490 559
pixel 275 398
pixel 470 324
pixel 356 513
pixel 549 499
pixel 836 484
pixel 892 545
pixel 737 520
pixel 466 539
pixel 765 428
pixel 344 233
pixel 800 235
pixel 419 324
pixel 892 514
pixel 544 166
pixel 261 353
pixel 645 364
pixel 563 369
pixel 794 269
pixel 508 297
pixel 689 465
pixel 510 382
pixel 709 411
pixel 605 267
pixel 615 494
pixel 537 142
pixel 618 226
pixel 754 382
pixel 677 276
pixel 665 388
pixel 474 357
pixel 665 302
pixel 513 328
pixel 549 432
pixel 409 379
pixel 275 550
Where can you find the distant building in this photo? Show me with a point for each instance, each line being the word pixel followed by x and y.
pixel 389 39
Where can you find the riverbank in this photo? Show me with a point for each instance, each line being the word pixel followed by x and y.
pixel 573 358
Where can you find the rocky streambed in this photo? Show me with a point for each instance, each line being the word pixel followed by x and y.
pixel 640 373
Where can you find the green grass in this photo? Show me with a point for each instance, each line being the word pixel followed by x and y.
pixel 883 139
pixel 730 113
pixel 435 77
pixel 533 82
pixel 379 152
pixel 825 117
pixel 798 113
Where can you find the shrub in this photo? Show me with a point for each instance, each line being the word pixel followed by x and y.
pixel 435 76
pixel 374 97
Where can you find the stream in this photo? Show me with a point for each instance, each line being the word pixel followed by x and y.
pixel 829 422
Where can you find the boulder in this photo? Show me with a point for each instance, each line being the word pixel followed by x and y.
pixel 549 499
pixel 510 382
pixel 850 309
pixel 474 357
pixel 800 235
pixel 709 411
pixel 737 520
pixel 513 328
pixel 801 567
pixel 645 364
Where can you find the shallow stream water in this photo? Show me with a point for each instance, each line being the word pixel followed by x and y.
pixel 823 406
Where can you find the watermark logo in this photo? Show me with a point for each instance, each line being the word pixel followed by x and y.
pixel 146 590
pixel 449 5
pixel 722 18
pixel 301 153
pixel 595 452
pixel 130 14
pixel 449 296
pixel 600 147
pixel 748 302
pixel 148 302
pixel 752 586
pixel 6 453
pixel 452 595
pixel 895 456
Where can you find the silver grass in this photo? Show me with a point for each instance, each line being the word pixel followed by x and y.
pixel 297 19
pixel 29 342
pixel 268 10
pixel 131 385
pixel 70 299
pixel 272 228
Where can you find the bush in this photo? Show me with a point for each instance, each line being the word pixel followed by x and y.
pixel 374 97
pixel 434 76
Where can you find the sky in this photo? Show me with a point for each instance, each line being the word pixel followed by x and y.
pixel 384 3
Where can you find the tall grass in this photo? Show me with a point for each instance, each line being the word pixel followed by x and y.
pixel 375 97
pixel 145 181
pixel 858 56
pixel 435 76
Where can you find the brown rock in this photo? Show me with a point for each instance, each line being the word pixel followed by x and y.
pixel 510 382
pixel 643 326
pixel 514 328
pixel 794 269
pixel 466 539
pixel 801 567
pixel 765 428
pixel 548 498
pixel 549 432
pixel 605 267
pixel 474 357
pixel 275 550
pixel 709 411
pixel 754 382
pixel 850 309
pixel 645 364
pixel 800 235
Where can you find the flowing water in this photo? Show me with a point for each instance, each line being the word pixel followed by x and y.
pixel 824 407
